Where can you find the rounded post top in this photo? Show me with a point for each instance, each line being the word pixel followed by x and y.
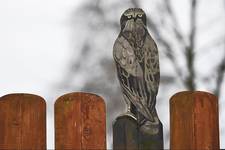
pixel 195 94
pixel 22 96
pixel 79 96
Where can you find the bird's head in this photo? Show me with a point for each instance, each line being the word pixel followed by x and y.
pixel 132 16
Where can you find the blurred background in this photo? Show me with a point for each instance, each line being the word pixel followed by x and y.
pixel 52 47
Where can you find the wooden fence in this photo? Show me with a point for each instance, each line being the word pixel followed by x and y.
pixel 80 121
pixel 194 121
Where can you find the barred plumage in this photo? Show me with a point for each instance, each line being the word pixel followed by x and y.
pixel 137 63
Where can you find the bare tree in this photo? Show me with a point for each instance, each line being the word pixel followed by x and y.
pixel 97 22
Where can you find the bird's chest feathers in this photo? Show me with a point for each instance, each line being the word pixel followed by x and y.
pixel 135 38
pixel 136 45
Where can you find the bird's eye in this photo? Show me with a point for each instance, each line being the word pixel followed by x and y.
pixel 139 15
pixel 129 16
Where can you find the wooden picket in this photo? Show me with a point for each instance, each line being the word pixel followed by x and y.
pixel 80 122
pixel 194 121
pixel 22 122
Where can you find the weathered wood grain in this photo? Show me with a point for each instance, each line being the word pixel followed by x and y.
pixel 22 122
pixel 80 122
pixel 125 133
pixel 128 136
pixel 194 121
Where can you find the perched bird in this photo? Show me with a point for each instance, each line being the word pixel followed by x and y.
pixel 137 62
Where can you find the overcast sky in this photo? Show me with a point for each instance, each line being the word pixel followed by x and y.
pixel 35 44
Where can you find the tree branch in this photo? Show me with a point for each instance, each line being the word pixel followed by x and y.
pixel 190 55
pixel 220 77
pixel 135 3
pixel 176 28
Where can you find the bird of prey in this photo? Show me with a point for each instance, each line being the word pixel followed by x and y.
pixel 137 62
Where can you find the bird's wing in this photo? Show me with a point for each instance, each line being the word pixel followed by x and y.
pixel 152 71
pixel 131 77
pixel 124 56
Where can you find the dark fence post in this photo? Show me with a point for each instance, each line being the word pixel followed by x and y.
pixel 80 122
pixel 125 133
pixel 22 122
pixel 194 121
pixel 128 136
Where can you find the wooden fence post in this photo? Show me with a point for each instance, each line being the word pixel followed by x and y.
pixel 80 122
pixel 128 136
pixel 194 121
pixel 22 122
pixel 125 133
